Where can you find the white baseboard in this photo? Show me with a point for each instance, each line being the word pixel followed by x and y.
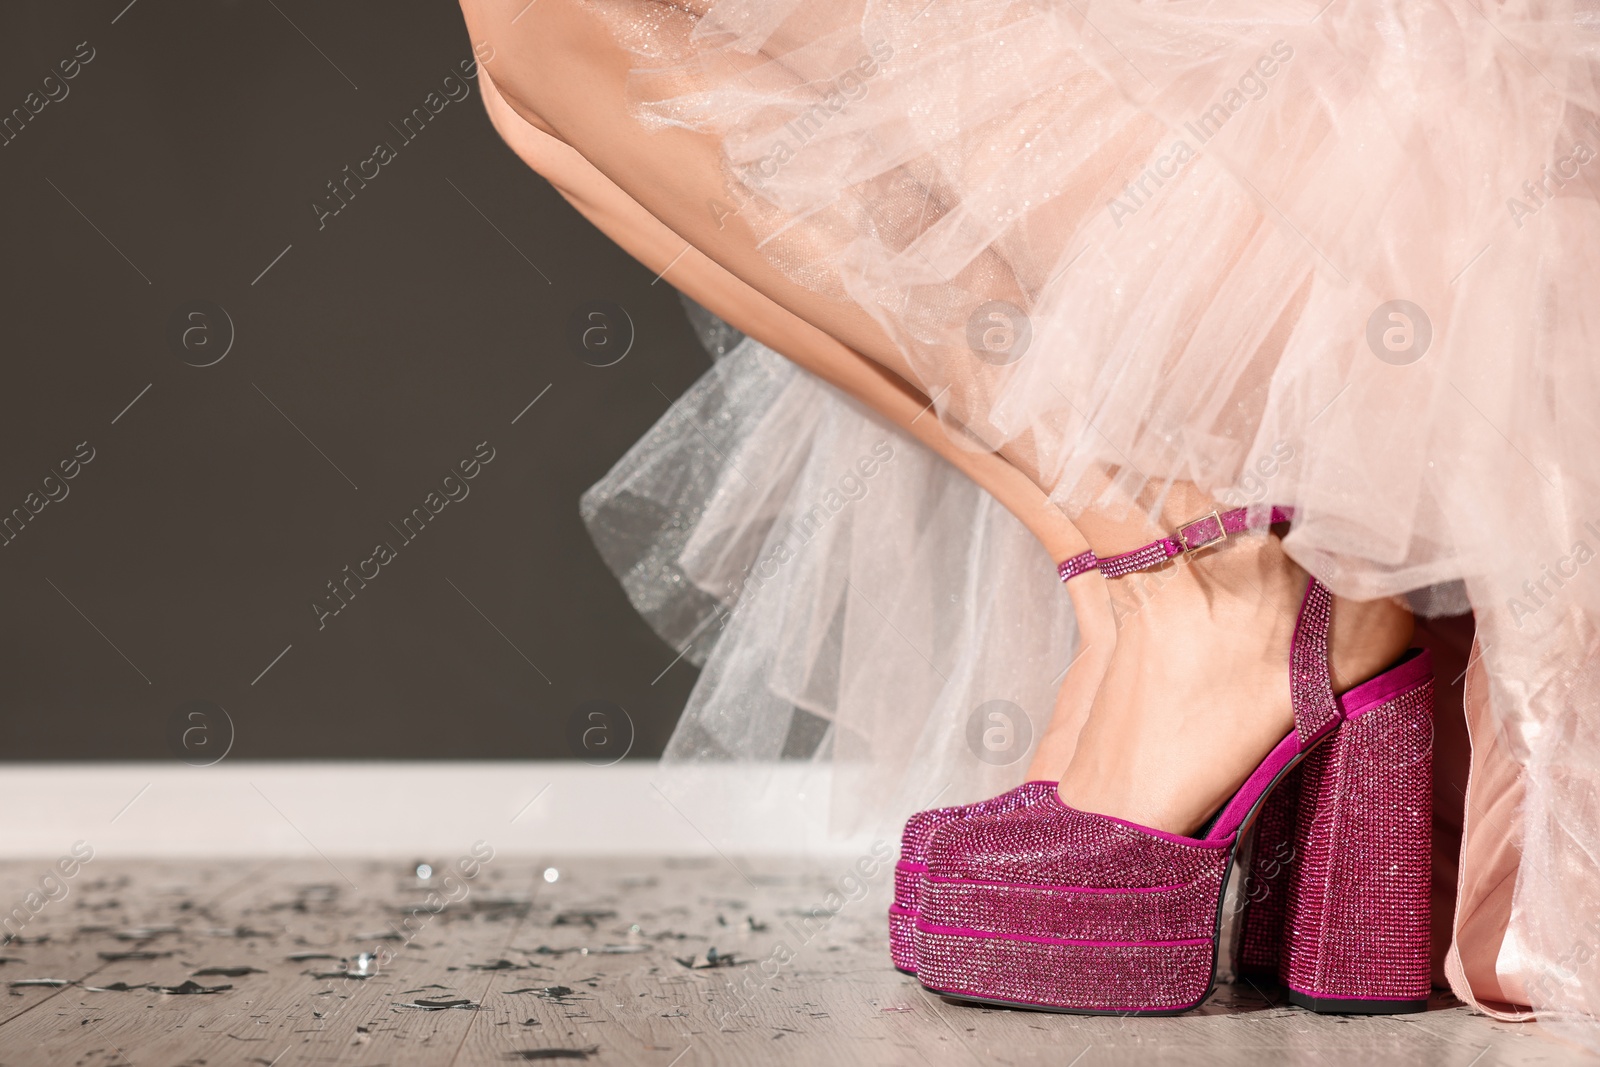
pixel 421 809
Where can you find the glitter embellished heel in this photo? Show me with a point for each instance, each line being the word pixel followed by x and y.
pixel 1054 908
pixel 1357 921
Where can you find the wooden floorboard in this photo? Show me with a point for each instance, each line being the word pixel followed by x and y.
pixel 598 961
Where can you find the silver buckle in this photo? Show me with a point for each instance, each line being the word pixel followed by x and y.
pixel 1191 547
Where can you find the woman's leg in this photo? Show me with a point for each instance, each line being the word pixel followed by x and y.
pixel 1196 682
pixel 556 64
pixel 650 241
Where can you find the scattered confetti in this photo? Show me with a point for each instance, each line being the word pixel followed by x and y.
pixel 187 988
pixel 138 954
pixel 553 1053
pixel 227 972
pixel 709 958
pixel 423 1004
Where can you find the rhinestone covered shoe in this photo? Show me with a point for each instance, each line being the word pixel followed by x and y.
pixel 1262 905
pixel 1052 908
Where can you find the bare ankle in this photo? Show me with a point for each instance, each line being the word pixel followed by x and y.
pixel 1368 636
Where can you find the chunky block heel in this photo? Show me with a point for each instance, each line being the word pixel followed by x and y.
pixel 1357 927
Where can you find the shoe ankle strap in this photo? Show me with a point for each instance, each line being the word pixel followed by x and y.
pixel 1205 532
pixel 1082 563
pixel 1316 711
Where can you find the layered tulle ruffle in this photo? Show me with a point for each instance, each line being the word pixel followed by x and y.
pixel 1336 256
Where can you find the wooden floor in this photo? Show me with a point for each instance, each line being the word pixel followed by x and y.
pixel 608 961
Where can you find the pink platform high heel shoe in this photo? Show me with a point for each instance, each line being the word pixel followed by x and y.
pixel 1052 908
pixel 1261 924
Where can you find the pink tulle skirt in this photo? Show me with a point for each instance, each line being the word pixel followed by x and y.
pixel 1339 256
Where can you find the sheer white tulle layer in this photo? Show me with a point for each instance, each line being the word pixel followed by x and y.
pixel 1343 257
pixel 850 598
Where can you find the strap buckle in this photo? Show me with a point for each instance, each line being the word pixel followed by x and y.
pixel 1202 533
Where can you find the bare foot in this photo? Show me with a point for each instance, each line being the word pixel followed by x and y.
pixel 1197 690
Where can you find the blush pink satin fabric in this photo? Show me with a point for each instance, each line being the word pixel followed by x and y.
pixel 1490 850
pixel 1478 790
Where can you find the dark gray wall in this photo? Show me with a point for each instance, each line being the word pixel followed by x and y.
pixel 377 350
